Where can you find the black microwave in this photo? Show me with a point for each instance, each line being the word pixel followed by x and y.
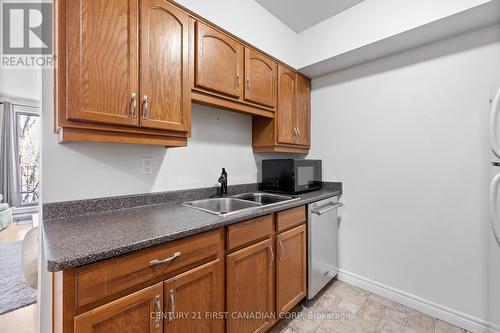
pixel 291 176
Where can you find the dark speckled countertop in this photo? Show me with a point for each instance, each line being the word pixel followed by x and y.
pixel 75 240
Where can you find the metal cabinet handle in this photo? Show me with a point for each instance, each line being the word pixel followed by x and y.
pixel 282 250
pixel 158 311
pixel 298 131
pixel 165 261
pixel 327 208
pixel 172 305
pixel 495 111
pixel 145 107
pixel 248 83
pixel 272 255
pixel 238 81
pixel 493 198
pixel 133 110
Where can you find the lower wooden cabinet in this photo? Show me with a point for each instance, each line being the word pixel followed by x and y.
pixel 187 291
pixel 250 288
pixel 194 300
pixel 137 312
pixel 291 268
pixel 268 278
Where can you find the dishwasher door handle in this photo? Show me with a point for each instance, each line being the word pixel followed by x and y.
pixel 326 208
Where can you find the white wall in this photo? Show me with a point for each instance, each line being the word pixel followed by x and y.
pixel 20 83
pixel 407 135
pixel 79 170
pixel 371 21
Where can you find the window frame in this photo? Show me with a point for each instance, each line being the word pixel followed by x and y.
pixel 24 110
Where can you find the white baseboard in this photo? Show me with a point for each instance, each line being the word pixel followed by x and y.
pixel 454 317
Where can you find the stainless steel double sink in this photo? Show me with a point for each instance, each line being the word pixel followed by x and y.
pixel 238 203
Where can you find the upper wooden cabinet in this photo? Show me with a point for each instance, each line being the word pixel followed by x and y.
pixel 303 111
pixel 286 106
pixel 229 74
pixel 165 89
pixel 219 62
pixel 106 51
pixel 102 60
pixel 260 78
pixel 294 108
pixel 290 130
pixel 128 70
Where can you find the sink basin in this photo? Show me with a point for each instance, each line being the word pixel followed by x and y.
pixel 264 198
pixel 238 203
pixel 222 206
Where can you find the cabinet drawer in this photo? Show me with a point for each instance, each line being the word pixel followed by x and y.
pixel 249 231
pixel 97 281
pixel 290 218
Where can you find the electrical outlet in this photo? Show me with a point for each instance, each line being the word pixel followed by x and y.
pixel 147 166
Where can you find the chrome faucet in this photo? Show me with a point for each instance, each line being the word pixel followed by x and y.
pixel 223 183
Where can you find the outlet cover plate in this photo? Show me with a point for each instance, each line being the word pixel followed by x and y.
pixel 147 166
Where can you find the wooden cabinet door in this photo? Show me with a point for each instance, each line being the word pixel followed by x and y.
pixel 102 61
pixel 291 268
pixel 219 62
pixel 286 106
pixel 260 78
pixel 130 314
pixel 165 92
pixel 250 288
pixel 303 111
pixel 194 298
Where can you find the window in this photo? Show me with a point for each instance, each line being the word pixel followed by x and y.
pixel 28 151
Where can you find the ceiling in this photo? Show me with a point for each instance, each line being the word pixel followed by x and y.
pixel 302 14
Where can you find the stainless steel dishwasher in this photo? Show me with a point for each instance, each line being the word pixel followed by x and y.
pixel 322 237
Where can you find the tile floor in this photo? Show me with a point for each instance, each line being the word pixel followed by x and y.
pixel 23 320
pixel 14 232
pixel 343 308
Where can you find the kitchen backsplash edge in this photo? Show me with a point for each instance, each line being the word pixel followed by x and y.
pixel 66 209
